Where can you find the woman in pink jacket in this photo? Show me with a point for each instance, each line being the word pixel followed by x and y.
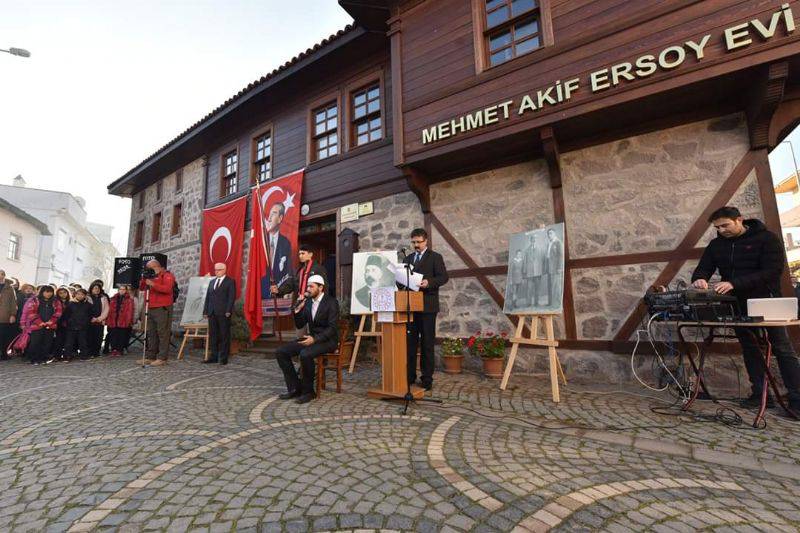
pixel 40 321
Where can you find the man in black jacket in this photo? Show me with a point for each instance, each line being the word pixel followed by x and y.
pixel 307 268
pixel 220 296
pixel 434 274
pixel 750 260
pixel 320 313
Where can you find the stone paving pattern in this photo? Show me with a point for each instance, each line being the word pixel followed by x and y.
pixel 106 445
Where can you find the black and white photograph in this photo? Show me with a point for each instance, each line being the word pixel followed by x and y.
pixel 370 271
pixel 195 300
pixel 535 281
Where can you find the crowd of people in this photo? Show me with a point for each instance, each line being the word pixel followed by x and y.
pixel 53 323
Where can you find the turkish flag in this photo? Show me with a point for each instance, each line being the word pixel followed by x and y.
pixel 222 239
pixel 273 244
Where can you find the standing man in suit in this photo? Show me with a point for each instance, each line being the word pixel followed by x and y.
pixel 534 269
pixel 555 262
pixel 423 329
pixel 279 251
pixel 320 313
pixel 218 309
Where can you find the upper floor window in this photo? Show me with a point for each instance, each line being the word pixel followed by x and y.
pixel 177 215
pixel 138 235
pixel 179 180
pixel 14 245
pixel 326 131
pixel 230 168
pixel 155 234
pixel 159 190
pixel 62 240
pixel 367 120
pixel 262 157
pixel 512 28
pixel 141 201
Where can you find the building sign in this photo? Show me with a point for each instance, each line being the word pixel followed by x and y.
pixel 365 208
pixel 734 38
pixel 348 213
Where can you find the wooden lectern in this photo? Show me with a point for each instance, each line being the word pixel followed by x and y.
pixel 394 378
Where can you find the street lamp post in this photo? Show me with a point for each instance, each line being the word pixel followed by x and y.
pixel 794 159
pixel 21 52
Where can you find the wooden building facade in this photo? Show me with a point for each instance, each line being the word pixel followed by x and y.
pixel 628 120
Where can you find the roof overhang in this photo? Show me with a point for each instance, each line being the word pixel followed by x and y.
pixel 371 14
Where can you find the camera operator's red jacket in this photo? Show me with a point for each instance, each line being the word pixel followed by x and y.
pixel 161 291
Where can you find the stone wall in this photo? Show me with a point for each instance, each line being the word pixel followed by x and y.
pixel 183 249
pixel 389 227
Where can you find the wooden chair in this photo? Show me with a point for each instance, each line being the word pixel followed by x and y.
pixel 336 360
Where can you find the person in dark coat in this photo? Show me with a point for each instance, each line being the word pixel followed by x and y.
pixel 99 301
pixel 79 317
pixel 8 314
pixel 40 321
pixel 423 329
pixel 297 284
pixel 121 310
pixel 63 296
pixel 750 260
pixel 218 309
pixel 320 313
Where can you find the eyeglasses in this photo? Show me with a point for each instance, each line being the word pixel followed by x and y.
pixel 418 242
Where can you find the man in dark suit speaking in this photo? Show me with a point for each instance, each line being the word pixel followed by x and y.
pixel 434 274
pixel 320 313
pixel 220 296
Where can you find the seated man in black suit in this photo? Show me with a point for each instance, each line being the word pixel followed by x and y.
pixel 220 296
pixel 320 313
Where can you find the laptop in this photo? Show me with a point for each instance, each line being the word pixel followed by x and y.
pixel 773 309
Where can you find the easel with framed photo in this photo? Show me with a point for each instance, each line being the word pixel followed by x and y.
pixel 360 333
pixel 548 340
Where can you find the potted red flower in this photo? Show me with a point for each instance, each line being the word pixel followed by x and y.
pixel 452 355
pixel 491 348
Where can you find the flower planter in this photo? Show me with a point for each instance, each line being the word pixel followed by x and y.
pixel 236 346
pixel 493 367
pixel 452 363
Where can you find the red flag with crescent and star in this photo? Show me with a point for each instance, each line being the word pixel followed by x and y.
pixel 273 245
pixel 223 239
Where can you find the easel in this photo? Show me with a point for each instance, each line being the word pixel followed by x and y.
pixel 549 341
pixel 373 332
pixel 194 331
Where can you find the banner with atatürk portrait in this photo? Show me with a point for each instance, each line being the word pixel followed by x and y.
pixel 222 239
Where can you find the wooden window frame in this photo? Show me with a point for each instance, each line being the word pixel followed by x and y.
pixel 362 82
pixel 17 248
pixel 138 235
pixel 311 152
pixel 481 32
pixel 140 201
pixel 176 226
pixel 159 190
pixel 226 152
pixel 260 132
pixel 156 238
pixel 179 180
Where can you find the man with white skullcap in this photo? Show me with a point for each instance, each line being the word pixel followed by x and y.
pixel 320 313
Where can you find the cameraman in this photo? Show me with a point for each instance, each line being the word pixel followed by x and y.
pixel 160 283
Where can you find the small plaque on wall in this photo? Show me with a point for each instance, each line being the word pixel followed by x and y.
pixel 365 208
pixel 348 213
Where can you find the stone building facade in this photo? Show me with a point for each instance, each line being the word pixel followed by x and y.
pixel 182 247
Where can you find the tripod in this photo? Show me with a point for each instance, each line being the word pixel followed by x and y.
pixel 144 325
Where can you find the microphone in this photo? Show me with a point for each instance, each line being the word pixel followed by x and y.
pixel 403 252
pixel 306 295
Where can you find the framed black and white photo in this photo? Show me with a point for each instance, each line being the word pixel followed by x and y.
pixel 535 280
pixel 370 270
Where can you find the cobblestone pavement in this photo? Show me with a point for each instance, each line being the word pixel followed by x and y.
pixel 107 445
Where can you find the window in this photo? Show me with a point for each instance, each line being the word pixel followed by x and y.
pixel 177 212
pixel 14 246
pixel 159 190
pixel 155 234
pixel 141 200
pixel 138 235
pixel 512 28
pixel 62 240
pixel 179 180
pixel 230 166
pixel 262 157
pixel 326 131
pixel 367 124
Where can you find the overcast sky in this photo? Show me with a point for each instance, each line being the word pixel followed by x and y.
pixel 108 83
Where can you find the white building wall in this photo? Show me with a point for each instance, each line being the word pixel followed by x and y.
pixel 23 269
